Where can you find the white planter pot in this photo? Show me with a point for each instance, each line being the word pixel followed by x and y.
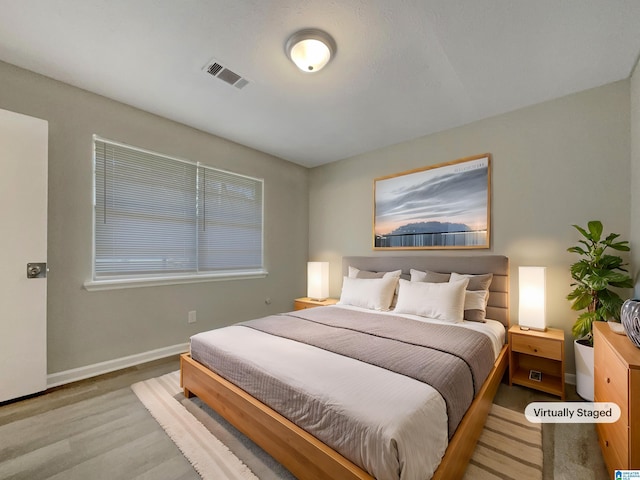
pixel 584 370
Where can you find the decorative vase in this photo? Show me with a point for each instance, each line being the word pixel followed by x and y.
pixel 630 318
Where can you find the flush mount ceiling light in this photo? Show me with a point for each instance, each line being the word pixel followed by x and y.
pixel 310 49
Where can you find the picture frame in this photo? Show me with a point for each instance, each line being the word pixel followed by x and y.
pixel 535 375
pixel 443 206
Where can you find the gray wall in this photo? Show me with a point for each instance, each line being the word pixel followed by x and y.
pixel 91 327
pixel 635 176
pixel 554 164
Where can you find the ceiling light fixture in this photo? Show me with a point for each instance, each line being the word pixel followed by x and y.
pixel 310 49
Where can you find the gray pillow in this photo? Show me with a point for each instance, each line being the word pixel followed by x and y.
pixel 476 282
pixel 429 276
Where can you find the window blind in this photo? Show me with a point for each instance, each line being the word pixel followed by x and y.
pixel 156 215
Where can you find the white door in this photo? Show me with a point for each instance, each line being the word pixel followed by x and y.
pixel 23 223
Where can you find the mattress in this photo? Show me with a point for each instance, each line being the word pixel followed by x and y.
pixel 392 426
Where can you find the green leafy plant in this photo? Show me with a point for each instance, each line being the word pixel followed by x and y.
pixel 594 275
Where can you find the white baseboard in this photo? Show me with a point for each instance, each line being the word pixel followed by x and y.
pixel 75 374
pixel 570 378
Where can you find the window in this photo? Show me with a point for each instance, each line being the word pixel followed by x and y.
pixel 164 220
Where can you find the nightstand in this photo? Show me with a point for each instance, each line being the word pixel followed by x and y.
pixel 536 359
pixel 306 302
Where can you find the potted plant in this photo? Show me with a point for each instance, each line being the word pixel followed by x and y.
pixel 594 275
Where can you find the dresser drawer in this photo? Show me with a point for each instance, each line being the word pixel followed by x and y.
pixel 538 346
pixel 610 378
pixel 613 438
pixel 617 379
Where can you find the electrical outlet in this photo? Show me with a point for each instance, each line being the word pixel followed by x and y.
pixel 192 317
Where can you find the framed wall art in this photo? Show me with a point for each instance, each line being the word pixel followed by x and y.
pixel 444 206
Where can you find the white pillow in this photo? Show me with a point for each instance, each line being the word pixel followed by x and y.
pixel 475 299
pixel 371 293
pixel 442 301
pixel 357 273
pixel 477 296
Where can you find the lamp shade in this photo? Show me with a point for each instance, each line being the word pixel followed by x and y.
pixel 318 280
pixel 532 311
pixel 310 49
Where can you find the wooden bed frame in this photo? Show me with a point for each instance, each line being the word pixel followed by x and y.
pixel 308 458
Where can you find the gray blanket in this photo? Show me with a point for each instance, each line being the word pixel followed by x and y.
pixel 454 361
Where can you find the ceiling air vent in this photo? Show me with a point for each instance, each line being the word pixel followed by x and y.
pixel 216 69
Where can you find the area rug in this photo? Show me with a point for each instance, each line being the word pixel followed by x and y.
pixel 209 456
pixel 509 448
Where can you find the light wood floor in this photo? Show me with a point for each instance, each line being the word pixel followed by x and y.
pixel 93 429
pixel 570 450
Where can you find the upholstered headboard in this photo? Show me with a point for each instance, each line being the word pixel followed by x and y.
pixel 498 305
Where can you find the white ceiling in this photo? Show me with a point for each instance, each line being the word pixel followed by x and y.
pixel 403 69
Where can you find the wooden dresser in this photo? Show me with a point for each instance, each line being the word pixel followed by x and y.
pixel 617 379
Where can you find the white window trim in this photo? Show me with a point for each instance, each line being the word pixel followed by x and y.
pixel 120 283
pixel 117 283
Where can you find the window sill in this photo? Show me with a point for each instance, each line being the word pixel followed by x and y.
pixel 119 283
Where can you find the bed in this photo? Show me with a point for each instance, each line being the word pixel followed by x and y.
pixel 407 429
